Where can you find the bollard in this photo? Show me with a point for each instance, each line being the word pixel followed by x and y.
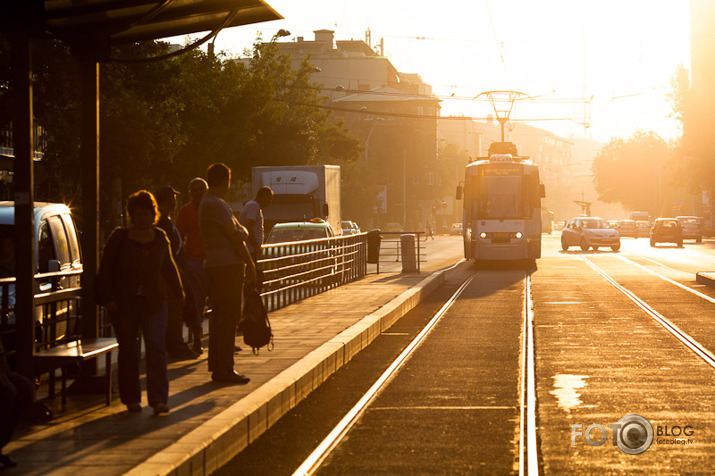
pixel 409 259
pixel 373 246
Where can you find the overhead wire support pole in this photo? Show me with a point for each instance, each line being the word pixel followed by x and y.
pixel 503 115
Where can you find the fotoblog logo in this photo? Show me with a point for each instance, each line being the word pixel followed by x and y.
pixel 633 434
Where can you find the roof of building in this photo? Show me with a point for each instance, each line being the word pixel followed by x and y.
pixel 386 95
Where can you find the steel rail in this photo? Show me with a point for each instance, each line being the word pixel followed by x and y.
pixel 684 338
pixel 665 278
pixel 316 458
pixel 529 459
pixel 531 446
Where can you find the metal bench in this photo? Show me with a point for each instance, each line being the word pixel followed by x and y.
pixel 77 351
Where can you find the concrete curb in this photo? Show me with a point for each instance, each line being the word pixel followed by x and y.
pixel 214 443
pixel 706 278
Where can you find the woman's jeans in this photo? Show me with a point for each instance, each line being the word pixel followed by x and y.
pixel 127 325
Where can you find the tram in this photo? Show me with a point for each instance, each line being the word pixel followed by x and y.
pixel 502 206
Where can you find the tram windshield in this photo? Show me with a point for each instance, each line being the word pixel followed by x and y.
pixel 499 197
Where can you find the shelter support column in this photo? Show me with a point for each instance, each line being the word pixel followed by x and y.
pixel 89 159
pixel 23 181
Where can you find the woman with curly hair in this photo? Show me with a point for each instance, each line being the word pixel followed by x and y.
pixel 136 276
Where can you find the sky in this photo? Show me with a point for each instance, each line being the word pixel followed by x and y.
pixel 600 69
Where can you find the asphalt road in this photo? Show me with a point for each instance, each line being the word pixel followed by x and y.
pixel 603 351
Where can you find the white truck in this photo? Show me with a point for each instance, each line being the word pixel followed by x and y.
pixel 301 193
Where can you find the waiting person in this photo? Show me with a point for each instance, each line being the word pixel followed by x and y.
pixel 176 348
pixel 15 396
pixel 187 223
pixel 227 263
pixel 137 276
pixel 251 217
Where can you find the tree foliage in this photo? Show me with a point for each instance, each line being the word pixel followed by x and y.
pixel 696 152
pixel 633 171
pixel 166 121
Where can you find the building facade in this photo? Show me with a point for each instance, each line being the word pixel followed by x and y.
pixel 395 115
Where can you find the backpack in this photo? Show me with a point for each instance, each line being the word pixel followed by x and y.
pixel 255 325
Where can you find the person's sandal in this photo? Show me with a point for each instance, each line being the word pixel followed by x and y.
pixel 134 407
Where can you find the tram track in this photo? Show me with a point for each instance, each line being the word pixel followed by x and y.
pixel 528 460
pixel 667 279
pixel 667 324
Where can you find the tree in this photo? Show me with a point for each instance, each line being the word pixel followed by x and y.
pixel 166 121
pixel 696 152
pixel 631 171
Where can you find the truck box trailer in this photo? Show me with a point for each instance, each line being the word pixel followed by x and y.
pixel 301 192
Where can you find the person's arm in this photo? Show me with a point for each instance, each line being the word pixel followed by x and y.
pixel 236 235
pixel 171 272
pixel 108 269
pixel 250 224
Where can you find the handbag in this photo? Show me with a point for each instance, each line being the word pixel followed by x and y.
pixel 255 325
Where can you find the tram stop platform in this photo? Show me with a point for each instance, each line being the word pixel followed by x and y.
pixel 209 423
pixel 706 277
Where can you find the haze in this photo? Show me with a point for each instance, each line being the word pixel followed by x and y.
pixel 596 69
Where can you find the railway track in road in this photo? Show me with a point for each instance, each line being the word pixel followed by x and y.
pixel 527 451
pixel 679 334
pixel 619 336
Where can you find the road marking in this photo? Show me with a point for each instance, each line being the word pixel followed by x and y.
pixel 316 458
pixel 448 407
pixel 688 341
pixel 665 278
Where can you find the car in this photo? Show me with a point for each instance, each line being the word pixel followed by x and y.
pixel 666 230
pixel 589 232
pixel 643 227
pixel 627 228
pixel 349 227
pixel 316 257
pixel 57 249
pixel 300 231
pixel 456 229
pixel 692 228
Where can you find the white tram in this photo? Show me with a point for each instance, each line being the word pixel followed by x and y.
pixel 502 206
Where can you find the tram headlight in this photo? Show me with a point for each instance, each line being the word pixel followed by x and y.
pixel 518 235
pixel 482 235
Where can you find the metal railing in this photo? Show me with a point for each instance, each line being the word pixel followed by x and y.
pixel 57 316
pixel 297 270
pixel 292 272
pixel 391 246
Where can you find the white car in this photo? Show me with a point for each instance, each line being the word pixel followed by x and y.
pixel 349 227
pixel 589 232
pixel 56 249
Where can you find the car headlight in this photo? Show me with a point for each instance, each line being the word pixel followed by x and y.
pixel 482 235
pixel 518 235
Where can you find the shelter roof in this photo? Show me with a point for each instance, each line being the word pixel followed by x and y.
pixel 115 22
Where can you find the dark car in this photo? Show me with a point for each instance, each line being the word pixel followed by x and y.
pixel 692 228
pixel 627 228
pixel 666 230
